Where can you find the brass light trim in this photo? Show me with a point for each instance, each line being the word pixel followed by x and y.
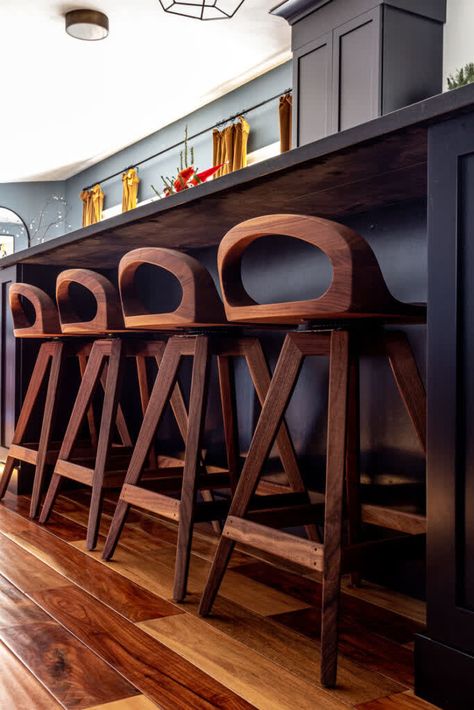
pixel 88 25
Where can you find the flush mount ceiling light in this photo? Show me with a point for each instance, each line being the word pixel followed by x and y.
pixel 202 9
pixel 89 25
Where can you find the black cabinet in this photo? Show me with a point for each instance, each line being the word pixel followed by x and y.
pixel 354 60
pixel 445 655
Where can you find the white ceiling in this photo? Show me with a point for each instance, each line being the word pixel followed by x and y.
pixel 67 104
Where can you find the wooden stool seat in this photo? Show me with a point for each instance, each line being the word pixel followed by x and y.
pixel 357 293
pixel 108 316
pixel 357 289
pixel 200 305
pixel 45 320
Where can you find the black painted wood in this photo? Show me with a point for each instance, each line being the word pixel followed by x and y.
pixel 450 467
pixel 353 61
pixel 443 675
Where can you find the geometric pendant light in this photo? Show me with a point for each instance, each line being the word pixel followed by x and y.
pixel 202 9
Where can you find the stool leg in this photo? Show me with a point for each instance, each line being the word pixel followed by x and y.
pixel 408 380
pixel 82 359
pixel 197 412
pixel 229 417
pixel 56 352
pixel 279 393
pixel 335 468
pixel 120 422
pixel 160 394
pixel 109 413
pixel 353 455
pixel 144 390
pixel 34 386
pixel 260 374
pixel 81 405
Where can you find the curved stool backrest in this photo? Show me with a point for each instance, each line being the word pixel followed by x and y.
pixel 45 322
pixel 200 302
pixel 108 317
pixel 357 288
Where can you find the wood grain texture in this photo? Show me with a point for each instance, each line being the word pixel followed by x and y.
pixel 19 689
pixel 132 601
pixel 138 702
pixel 334 494
pixel 200 303
pixel 357 643
pixel 302 552
pixel 44 321
pixel 74 675
pixel 357 288
pixel 373 634
pixel 24 571
pixel 157 672
pixel 247 673
pixel 108 316
pixel 59 525
pixel 400 701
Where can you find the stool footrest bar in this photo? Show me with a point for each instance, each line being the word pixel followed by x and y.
pixel 151 501
pixel 295 549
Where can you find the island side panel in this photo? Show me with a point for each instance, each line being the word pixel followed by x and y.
pixel 445 655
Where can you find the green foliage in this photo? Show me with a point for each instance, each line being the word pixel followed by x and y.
pixel 462 76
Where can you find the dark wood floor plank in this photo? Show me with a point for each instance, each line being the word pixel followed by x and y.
pixel 15 608
pixel 19 689
pixel 123 595
pixel 75 676
pixel 158 673
pixel 24 571
pixel 57 524
pixel 72 673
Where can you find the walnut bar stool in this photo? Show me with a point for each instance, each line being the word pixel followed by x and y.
pixel 200 316
pixel 41 323
pixel 103 368
pixel 348 315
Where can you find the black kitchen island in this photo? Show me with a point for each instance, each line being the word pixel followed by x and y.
pixel 404 181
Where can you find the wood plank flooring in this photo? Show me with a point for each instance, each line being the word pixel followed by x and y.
pixel 76 632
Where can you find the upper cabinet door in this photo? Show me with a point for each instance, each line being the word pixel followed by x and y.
pixel 356 85
pixel 312 79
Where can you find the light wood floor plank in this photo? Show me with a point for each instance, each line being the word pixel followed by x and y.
pixel 139 702
pixel 262 683
pixel 158 570
pixel 400 701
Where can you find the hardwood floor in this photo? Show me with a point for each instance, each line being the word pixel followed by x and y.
pixel 76 632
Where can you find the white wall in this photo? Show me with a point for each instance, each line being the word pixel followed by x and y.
pixel 458 36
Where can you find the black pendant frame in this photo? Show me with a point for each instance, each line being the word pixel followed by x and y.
pixel 206 10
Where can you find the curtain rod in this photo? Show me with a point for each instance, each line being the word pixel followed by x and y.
pixel 190 138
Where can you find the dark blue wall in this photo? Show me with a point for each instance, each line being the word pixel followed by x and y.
pixel 27 199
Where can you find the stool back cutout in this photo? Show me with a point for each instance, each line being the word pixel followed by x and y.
pixel 200 304
pixel 45 321
pixel 108 317
pixel 357 289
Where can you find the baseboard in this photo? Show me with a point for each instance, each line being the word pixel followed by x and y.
pixel 444 676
